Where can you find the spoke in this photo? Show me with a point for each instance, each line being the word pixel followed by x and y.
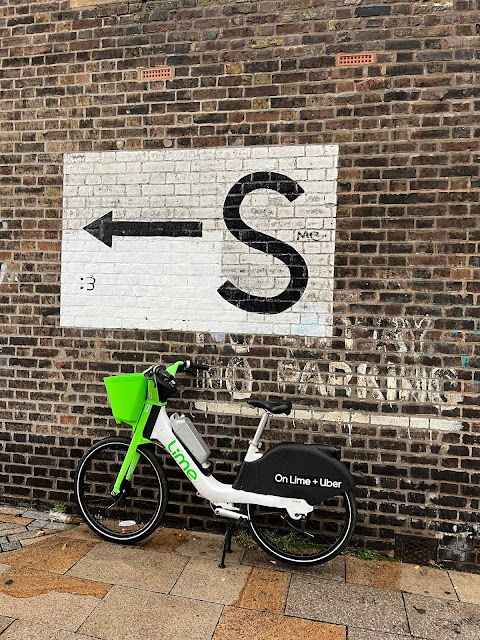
pixel 311 537
pixel 147 505
pixel 303 532
pixel 112 506
pixel 100 500
pixel 138 503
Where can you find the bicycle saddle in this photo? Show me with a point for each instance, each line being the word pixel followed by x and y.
pixel 273 407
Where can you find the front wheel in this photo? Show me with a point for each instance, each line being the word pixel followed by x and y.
pixel 314 539
pixel 139 508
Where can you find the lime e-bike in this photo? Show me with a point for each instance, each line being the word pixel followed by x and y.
pixel 297 499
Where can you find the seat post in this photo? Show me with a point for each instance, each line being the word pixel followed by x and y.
pixel 254 445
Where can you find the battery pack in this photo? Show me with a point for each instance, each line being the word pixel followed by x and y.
pixel 185 431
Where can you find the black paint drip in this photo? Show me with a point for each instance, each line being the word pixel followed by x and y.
pixel 260 241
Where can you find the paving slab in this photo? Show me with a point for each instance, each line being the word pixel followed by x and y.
pixel 202 579
pixel 209 545
pixel 265 591
pixel 48 598
pixel 11 546
pixel 7 528
pixel 467 586
pixel 3 567
pixel 12 519
pixel 241 624
pixel 152 616
pixel 400 577
pixel 363 634
pixel 4 623
pixel 25 630
pixel 56 554
pixel 82 532
pixel 35 525
pixel 127 566
pixel 13 511
pixel 41 533
pixel 166 540
pixel 58 526
pixel 24 535
pixel 27 583
pixel 339 603
pixel 437 619
pixel 28 541
pixel 332 570
pixel 35 515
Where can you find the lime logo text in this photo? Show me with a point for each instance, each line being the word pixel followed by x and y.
pixel 180 459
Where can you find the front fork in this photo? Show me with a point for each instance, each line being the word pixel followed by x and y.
pixel 132 457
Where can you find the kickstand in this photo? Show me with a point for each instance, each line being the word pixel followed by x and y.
pixel 227 543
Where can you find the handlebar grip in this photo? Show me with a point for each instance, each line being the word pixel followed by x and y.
pixel 200 367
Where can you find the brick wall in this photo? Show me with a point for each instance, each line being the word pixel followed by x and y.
pixel 393 374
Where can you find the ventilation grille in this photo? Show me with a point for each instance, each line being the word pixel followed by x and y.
pixel 416 549
pixel 160 73
pixel 354 59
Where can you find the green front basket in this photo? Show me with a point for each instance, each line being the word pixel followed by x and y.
pixel 127 395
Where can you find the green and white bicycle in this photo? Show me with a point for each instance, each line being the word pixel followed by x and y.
pixel 297 499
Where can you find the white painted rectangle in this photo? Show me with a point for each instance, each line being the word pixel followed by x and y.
pixel 164 282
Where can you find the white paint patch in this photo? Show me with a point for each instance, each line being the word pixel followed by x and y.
pixel 3 271
pixel 3 265
pixel 362 381
pixel 162 282
pixel 343 417
pixel 437 386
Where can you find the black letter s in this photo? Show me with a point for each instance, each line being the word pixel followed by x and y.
pixel 260 241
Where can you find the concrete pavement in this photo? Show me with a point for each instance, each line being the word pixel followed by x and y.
pixel 70 585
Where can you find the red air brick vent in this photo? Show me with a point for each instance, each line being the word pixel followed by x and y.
pixel 353 59
pixel 160 73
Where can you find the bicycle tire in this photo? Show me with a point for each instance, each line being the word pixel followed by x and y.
pixel 143 500
pixel 282 538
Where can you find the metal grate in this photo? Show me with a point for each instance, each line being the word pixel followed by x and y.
pixel 353 59
pixel 160 73
pixel 416 549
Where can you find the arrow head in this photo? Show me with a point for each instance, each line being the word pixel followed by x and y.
pixel 102 228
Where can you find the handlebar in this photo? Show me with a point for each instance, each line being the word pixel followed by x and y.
pixel 196 365
pixel 185 365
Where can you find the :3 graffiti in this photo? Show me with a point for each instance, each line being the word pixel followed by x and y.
pixel 88 283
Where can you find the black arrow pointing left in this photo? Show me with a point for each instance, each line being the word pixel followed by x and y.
pixel 106 227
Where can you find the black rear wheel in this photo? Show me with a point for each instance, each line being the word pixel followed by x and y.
pixel 139 508
pixel 313 539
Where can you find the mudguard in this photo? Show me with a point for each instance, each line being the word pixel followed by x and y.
pixel 294 470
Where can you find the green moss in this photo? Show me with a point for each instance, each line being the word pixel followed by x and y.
pixel 368 554
pixel 245 540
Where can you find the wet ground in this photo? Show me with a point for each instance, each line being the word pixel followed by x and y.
pixel 63 583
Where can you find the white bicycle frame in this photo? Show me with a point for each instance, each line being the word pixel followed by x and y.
pixel 223 496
